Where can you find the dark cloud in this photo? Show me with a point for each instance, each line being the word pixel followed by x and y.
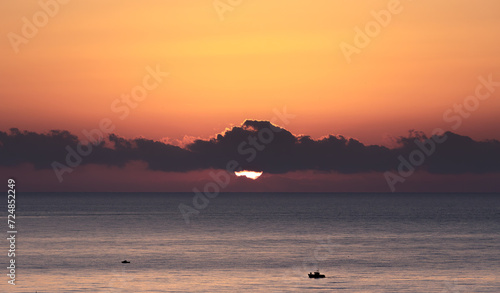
pixel 459 154
pixel 38 149
pixel 258 145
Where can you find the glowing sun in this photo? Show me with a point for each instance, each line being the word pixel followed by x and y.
pixel 249 174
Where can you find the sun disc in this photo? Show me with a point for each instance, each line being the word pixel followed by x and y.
pixel 248 174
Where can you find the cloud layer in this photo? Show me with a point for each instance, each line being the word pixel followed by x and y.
pixel 259 146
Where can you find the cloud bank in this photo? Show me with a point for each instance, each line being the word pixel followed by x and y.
pixel 258 146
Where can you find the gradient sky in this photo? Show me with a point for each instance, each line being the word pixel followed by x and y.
pixel 263 55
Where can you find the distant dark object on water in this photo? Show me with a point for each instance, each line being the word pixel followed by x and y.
pixel 125 261
pixel 316 275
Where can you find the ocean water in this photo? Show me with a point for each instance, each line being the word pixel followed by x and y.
pixel 264 242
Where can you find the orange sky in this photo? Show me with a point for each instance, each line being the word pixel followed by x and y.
pixel 263 55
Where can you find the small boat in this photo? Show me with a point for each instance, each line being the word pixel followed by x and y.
pixel 316 275
pixel 125 261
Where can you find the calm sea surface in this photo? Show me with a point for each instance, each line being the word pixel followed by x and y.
pixel 75 242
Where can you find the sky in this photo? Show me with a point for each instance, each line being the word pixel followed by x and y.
pixel 176 72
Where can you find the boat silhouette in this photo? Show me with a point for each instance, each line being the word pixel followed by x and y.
pixel 316 275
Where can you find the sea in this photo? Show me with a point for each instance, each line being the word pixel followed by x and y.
pixel 254 242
